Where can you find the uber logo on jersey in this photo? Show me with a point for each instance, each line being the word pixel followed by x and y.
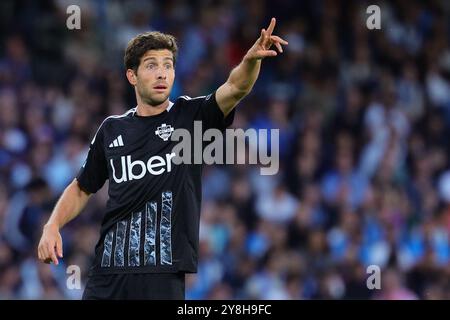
pixel 137 169
pixel 164 131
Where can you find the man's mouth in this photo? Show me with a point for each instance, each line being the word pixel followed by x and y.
pixel 160 87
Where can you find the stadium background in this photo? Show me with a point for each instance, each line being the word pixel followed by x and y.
pixel 364 119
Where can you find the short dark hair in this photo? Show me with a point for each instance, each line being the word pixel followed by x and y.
pixel 152 40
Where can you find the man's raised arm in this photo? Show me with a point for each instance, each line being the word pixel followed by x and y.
pixel 243 77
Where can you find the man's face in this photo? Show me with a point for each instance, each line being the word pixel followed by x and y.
pixel 155 76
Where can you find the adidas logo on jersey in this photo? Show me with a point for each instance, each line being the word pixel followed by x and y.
pixel 118 142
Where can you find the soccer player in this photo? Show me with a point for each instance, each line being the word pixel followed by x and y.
pixel 150 231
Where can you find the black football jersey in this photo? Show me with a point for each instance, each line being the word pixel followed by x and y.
pixel 151 223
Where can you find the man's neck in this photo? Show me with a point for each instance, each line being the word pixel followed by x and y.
pixel 145 110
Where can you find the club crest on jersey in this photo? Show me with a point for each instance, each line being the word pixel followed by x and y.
pixel 164 131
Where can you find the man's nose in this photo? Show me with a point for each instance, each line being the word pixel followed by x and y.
pixel 161 74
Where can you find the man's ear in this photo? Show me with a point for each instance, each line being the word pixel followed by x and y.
pixel 131 76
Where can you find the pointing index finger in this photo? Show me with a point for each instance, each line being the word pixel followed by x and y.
pixel 271 26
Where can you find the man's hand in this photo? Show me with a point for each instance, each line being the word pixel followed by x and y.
pixel 243 77
pixel 50 246
pixel 69 205
pixel 261 47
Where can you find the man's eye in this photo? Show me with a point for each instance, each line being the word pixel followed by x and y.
pixel 168 66
pixel 150 66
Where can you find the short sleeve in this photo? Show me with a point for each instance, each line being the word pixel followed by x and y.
pixel 94 172
pixel 211 115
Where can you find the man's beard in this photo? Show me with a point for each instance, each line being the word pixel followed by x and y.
pixel 147 97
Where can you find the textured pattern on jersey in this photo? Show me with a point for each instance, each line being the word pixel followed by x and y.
pixel 135 236
pixel 119 252
pixel 166 228
pixel 150 234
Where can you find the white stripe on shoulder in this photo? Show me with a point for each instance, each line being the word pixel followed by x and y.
pixel 113 117
pixel 189 98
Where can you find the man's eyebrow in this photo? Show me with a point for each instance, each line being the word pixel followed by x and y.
pixel 153 58
pixel 149 58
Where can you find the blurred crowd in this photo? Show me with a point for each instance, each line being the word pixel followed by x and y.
pixel 364 118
